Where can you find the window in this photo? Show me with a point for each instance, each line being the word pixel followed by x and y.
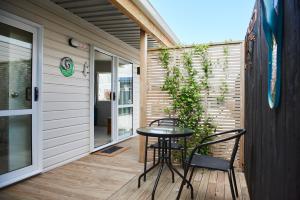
pixel 104 86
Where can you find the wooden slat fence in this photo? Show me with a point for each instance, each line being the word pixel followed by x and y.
pixel 226 115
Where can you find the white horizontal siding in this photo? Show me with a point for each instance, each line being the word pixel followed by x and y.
pixel 65 114
pixel 67 130
pixel 52 97
pixel 58 141
pixel 60 149
pixel 59 106
pixel 64 89
pixel 66 100
pixel 63 158
pixel 65 122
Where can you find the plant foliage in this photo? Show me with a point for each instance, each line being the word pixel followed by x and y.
pixel 184 86
pixel 224 87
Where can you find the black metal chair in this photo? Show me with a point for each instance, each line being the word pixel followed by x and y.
pixel 174 144
pixel 209 162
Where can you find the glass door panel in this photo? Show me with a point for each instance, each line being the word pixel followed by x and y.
pixel 103 99
pixel 16 102
pixel 125 99
pixel 15 68
pixel 15 146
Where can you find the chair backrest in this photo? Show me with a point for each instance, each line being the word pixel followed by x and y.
pixel 166 122
pixel 238 136
pixel 235 134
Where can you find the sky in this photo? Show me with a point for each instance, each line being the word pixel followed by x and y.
pixel 204 21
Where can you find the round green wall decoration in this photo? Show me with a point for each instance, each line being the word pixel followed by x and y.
pixel 66 66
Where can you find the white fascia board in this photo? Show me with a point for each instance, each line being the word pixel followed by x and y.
pixel 147 8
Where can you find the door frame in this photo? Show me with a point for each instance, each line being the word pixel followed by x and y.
pixel 92 98
pixel 37 80
pixel 117 96
pixel 114 105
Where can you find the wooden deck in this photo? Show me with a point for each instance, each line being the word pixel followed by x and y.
pixel 100 177
pixel 208 185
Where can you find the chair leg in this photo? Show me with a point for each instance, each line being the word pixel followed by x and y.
pixel 154 154
pixel 186 169
pixel 191 176
pixel 231 184
pixel 182 158
pixel 234 181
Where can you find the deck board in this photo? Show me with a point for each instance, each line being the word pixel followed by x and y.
pixel 115 178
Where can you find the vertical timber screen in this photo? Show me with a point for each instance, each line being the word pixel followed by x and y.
pixel 227 59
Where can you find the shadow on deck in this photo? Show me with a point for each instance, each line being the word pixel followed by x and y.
pixel 100 177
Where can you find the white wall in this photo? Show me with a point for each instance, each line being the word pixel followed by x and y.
pixel 65 112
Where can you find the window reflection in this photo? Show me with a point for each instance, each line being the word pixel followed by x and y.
pixel 104 86
pixel 125 99
pixel 125 83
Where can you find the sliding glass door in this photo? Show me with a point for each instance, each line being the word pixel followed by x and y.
pixel 112 99
pixel 18 96
pixel 103 99
pixel 125 99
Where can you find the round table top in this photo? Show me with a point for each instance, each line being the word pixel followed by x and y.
pixel 165 131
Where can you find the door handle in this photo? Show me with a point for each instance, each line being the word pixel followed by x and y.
pixel 28 94
pixel 112 96
pixel 36 93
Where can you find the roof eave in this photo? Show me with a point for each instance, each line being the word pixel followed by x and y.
pixel 147 8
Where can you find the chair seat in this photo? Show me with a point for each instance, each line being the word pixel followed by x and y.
pixel 173 145
pixel 210 162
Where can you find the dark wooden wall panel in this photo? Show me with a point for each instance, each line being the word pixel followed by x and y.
pixel 272 142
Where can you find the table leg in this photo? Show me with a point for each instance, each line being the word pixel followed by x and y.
pixel 163 161
pixel 159 149
pixel 157 180
pixel 184 177
pixel 145 163
pixel 145 159
pixel 164 152
pixel 170 160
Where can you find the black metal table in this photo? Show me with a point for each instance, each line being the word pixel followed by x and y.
pixel 164 135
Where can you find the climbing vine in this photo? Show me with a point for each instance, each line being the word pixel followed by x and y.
pixel 184 86
pixel 206 64
pixel 172 81
pixel 224 87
